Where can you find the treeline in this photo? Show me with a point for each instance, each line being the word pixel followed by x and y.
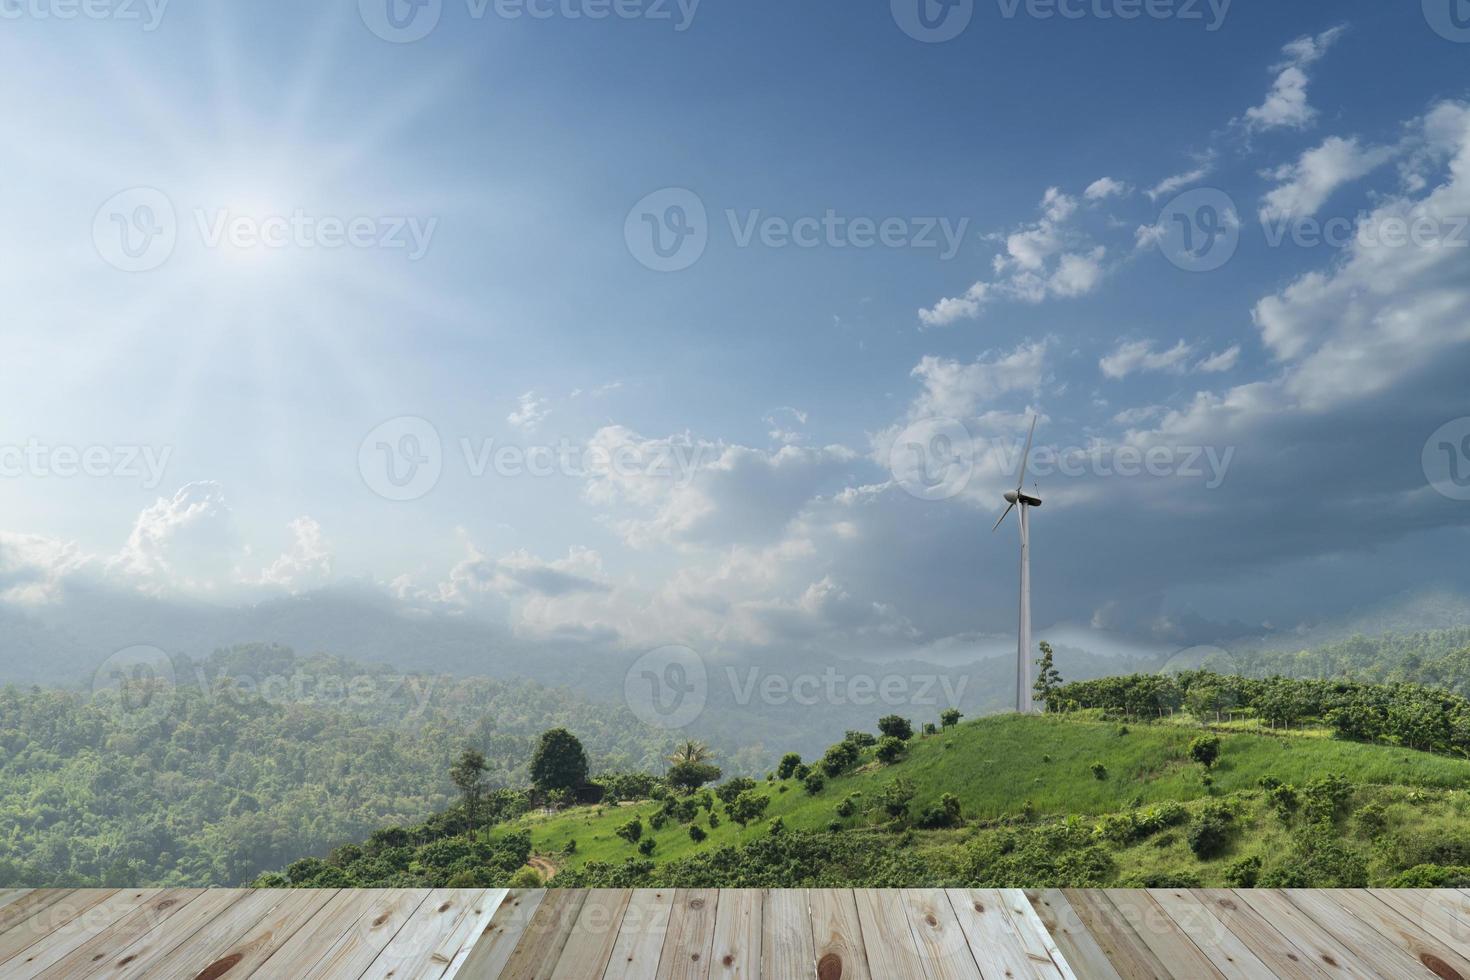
pixel 1417 717
pixel 254 757
pixel 1434 658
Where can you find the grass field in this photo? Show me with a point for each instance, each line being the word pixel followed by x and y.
pixel 995 765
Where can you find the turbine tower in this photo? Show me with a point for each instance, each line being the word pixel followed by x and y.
pixel 1019 498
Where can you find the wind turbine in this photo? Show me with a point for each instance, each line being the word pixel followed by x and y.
pixel 1019 498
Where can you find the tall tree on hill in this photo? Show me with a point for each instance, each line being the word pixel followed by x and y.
pixel 468 775
pixel 1048 678
pixel 559 762
pixel 691 751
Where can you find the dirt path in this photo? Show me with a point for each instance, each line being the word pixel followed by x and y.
pixel 544 866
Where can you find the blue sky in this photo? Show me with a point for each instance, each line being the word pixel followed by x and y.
pixel 495 168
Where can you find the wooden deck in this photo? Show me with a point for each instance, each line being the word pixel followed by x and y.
pixel 840 934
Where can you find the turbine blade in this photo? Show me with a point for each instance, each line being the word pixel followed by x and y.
pixel 1027 454
pixel 1003 517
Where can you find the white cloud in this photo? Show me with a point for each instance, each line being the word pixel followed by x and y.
pixel 531 412
pixel 1106 187
pixel 1219 363
pixel 34 569
pixel 1131 357
pixel 1047 258
pixel 306 564
pixel 1286 104
pixel 1170 185
pixel 188 542
pixel 954 389
pixel 1308 183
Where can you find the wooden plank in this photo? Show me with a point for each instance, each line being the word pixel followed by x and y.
pixel 1227 951
pixel 67 937
pixel 90 955
pixel 427 942
pixel 153 945
pixel 500 936
pixel 1127 951
pixel 8 895
pixel 1431 953
pixel 1270 945
pixel 589 947
pixel 46 920
pixel 243 955
pixel 206 946
pixel 379 920
pixel 787 952
pixel 687 947
pixel 1041 948
pixel 305 948
pixel 736 952
pixel 887 937
pixel 545 937
pixel 1078 949
pixel 28 904
pixel 1326 950
pixel 943 949
pixel 1364 943
pixel 1432 911
pixel 462 942
pixel 641 936
pixel 837 935
pixel 989 932
pixel 1160 933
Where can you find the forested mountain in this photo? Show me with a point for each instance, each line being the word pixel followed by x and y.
pixel 1144 780
pixel 256 757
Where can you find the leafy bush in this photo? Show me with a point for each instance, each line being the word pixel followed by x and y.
pixel 1210 833
pixel 1205 750
pixel 896 726
pixel 1098 770
pixel 646 846
pixel 890 749
pixel 697 833
pixel 631 831
pixel 814 783
pixel 789 762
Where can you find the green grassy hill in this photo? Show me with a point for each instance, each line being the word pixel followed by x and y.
pixel 996 765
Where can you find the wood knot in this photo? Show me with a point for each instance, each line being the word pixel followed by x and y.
pixel 728 960
pixel 446 906
pixel 696 904
pixel 220 967
pixel 829 967
pixel 929 918
pixel 980 907
pixel 1439 967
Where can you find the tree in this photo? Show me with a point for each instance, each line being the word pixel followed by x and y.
pixel 689 776
pixel 468 776
pixel 896 797
pixel 748 807
pixel 788 765
pixel 840 758
pixel 697 833
pixel 896 726
pixel 890 749
pixel 950 717
pixel 1205 750
pixel 559 762
pixel 730 789
pixel 1048 678
pixel 631 831
pixel 691 751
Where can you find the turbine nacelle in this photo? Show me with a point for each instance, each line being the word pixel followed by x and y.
pixel 1014 497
